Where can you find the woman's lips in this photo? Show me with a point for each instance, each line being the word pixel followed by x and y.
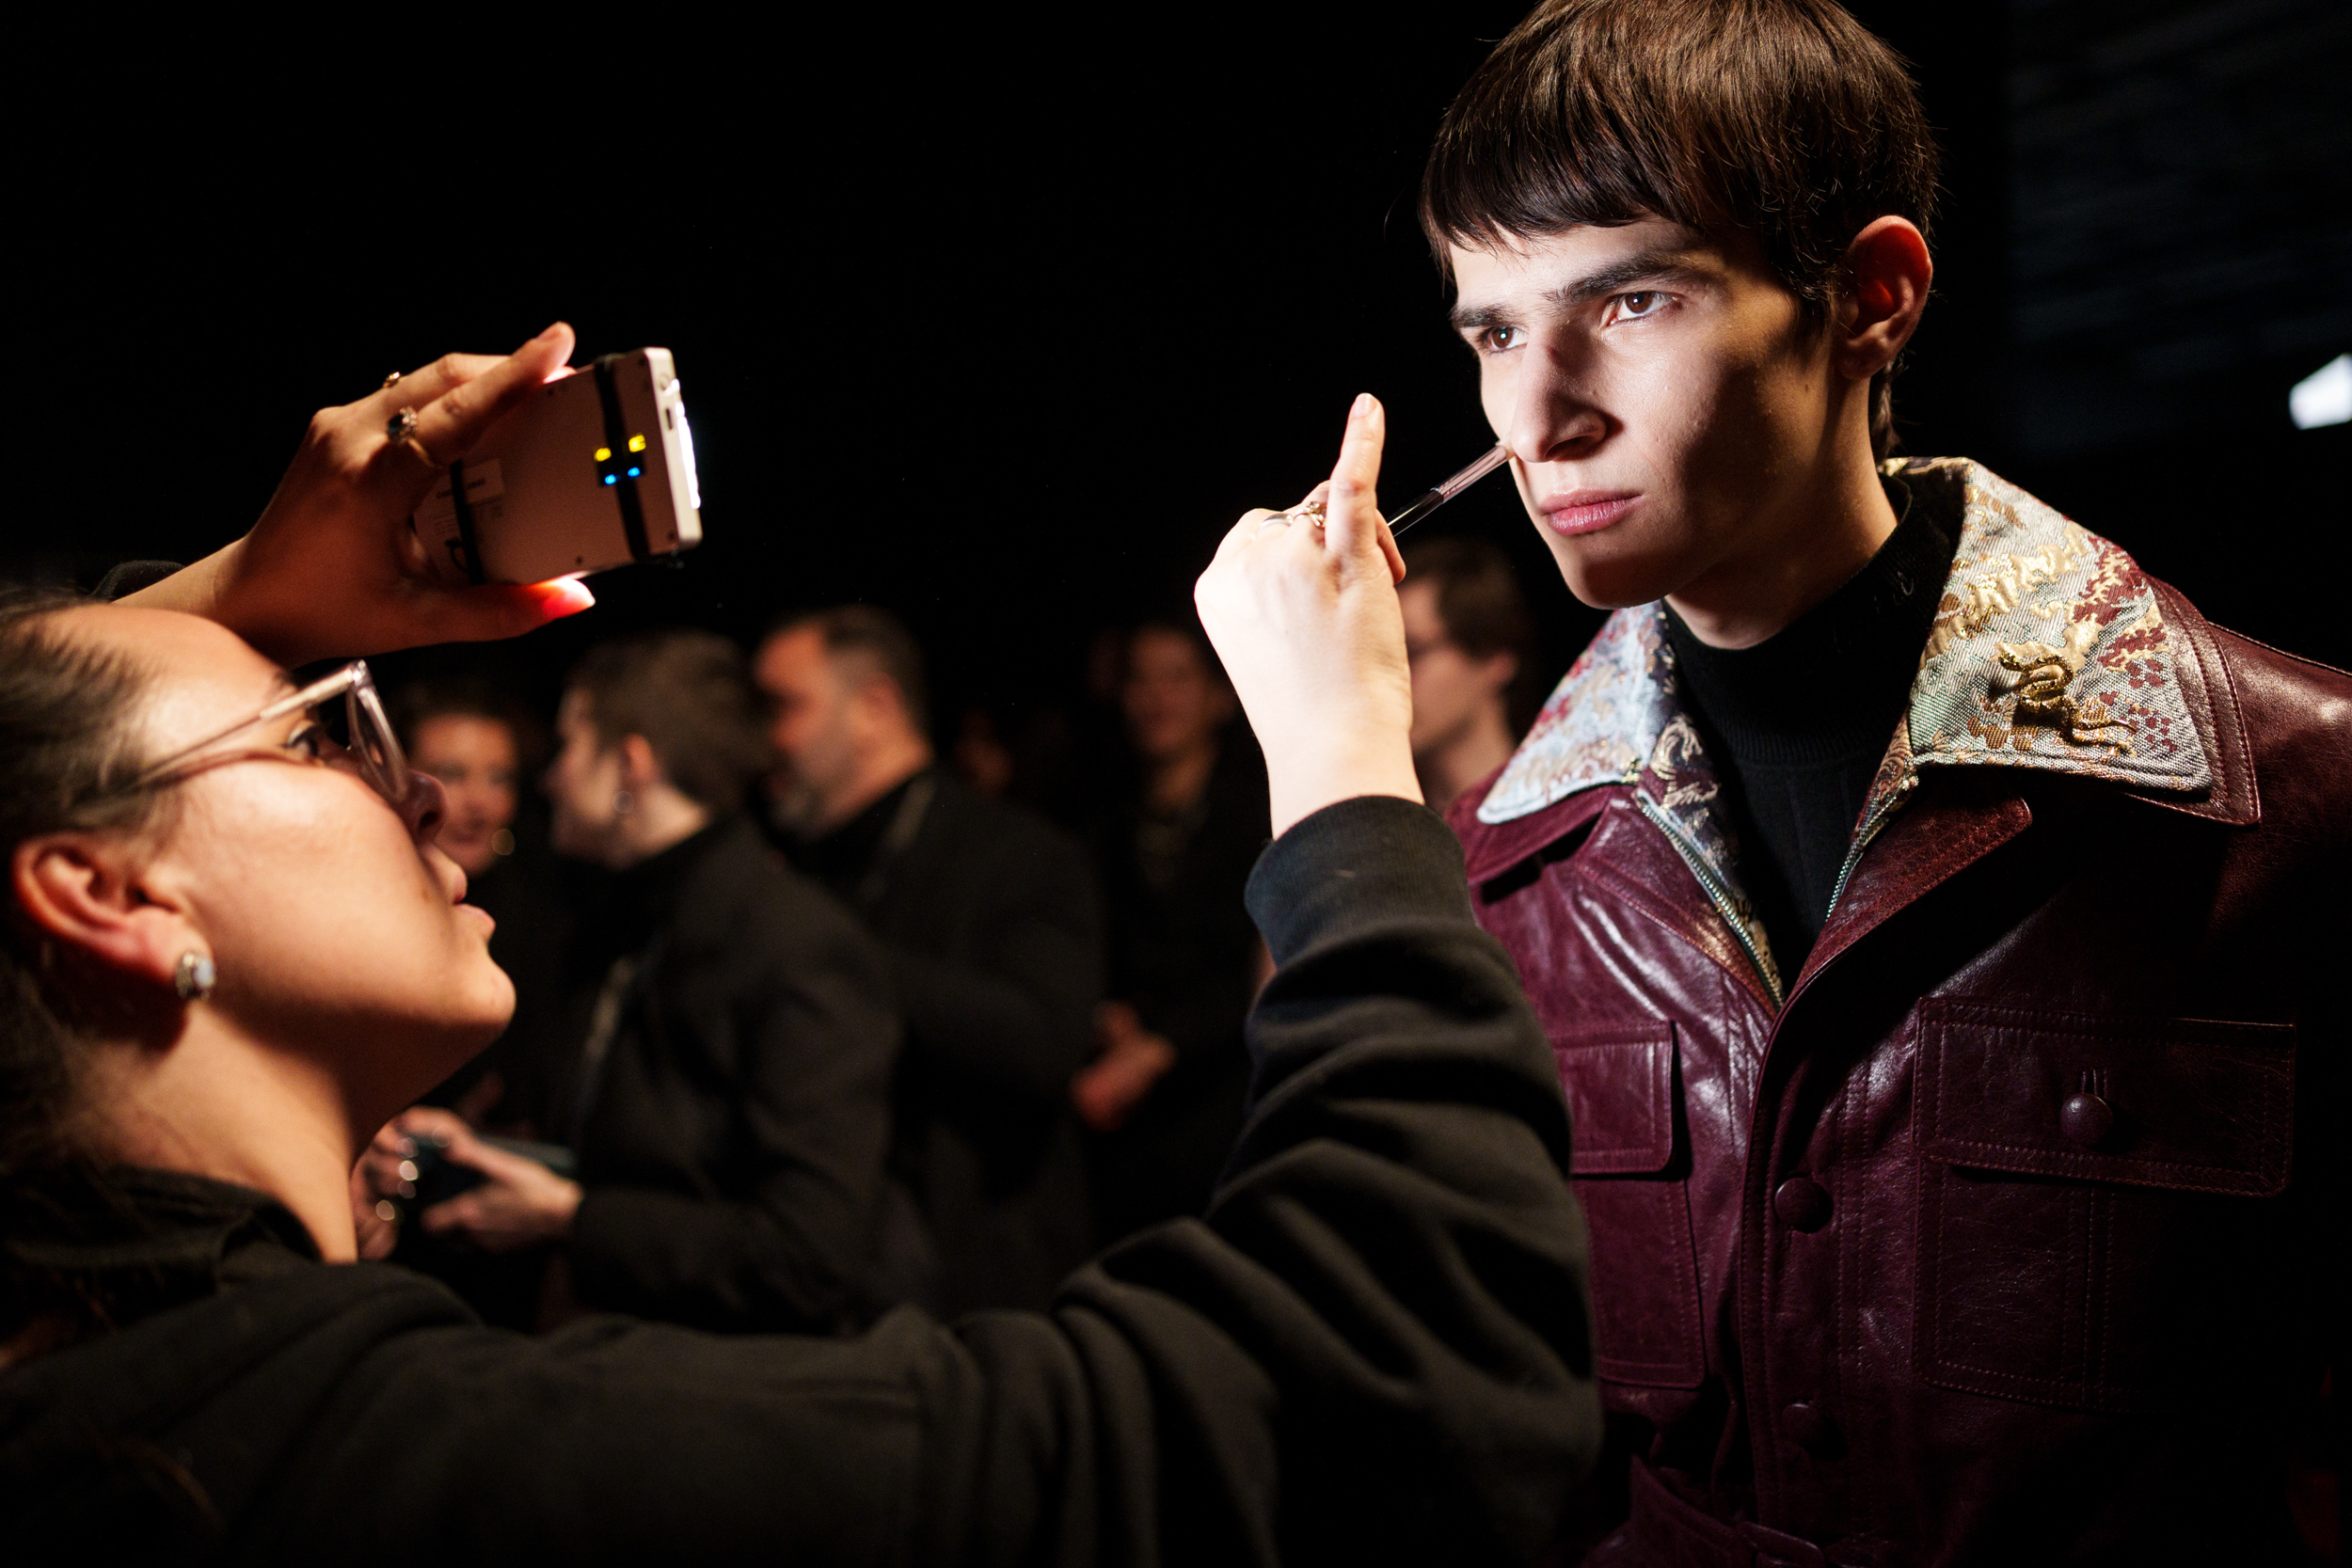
pixel 488 925
pixel 1588 511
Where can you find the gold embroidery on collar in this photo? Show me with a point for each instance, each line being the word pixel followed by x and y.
pixel 2038 675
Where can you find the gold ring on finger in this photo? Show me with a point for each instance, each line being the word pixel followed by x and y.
pixel 392 380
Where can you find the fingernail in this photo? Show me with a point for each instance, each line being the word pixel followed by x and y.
pixel 553 329
pixel 1363 405
pixel 562 597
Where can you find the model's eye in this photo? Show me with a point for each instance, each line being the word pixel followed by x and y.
pixel 308 740
pixel 1497 340
pixel 1642 302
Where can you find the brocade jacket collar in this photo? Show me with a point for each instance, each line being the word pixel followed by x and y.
pixel 2048 651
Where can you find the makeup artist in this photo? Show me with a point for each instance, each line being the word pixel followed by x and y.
pixel 233 951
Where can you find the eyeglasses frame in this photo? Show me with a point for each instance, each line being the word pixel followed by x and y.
pixel 389 776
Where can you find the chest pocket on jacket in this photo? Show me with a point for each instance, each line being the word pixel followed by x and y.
pixel 1625 1126
pixel 2090 1223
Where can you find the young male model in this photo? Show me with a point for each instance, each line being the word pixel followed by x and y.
pixel 1934 917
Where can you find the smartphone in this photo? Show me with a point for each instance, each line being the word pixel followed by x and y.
pixel 439 1179
pixel 596 471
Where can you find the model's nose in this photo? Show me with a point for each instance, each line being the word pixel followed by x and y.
pixel 1553 417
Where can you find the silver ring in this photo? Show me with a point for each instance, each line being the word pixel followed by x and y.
pixel 401 426
pixel 1310 512
pixel 392 380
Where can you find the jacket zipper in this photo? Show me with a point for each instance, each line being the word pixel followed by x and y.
pixel 1868 831
pixel 1717 894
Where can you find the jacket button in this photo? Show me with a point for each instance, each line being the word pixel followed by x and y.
pixel 1802 1203
pixel 2086 1120
pixel 1810 1428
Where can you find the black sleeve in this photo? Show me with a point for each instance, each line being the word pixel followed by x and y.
pixel 1016 1023
pixel 786 1243
pixel 1375 1348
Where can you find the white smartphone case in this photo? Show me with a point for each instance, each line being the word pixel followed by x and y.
pixel 596 471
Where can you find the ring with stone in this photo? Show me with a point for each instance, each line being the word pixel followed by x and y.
pixel 392 380
pixel 401 426
pixel 1306 511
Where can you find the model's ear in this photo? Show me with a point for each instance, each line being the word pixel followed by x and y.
pixel 92 894
pixel 1887 274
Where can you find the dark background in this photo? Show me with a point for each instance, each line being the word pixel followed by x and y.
pixel 999 322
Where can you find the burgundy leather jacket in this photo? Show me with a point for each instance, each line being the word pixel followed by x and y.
pixel 2007 1230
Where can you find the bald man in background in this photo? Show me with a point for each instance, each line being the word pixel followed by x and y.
pixel 987 917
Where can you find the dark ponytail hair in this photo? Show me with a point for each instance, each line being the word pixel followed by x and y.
pixel 66 744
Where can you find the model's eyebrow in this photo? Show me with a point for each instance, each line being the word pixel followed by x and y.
pixel 1651 266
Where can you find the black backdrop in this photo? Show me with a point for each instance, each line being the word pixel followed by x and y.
pixel 996 320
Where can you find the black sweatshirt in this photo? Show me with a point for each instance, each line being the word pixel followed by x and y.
pixel 1798 724
pixel 1375 1349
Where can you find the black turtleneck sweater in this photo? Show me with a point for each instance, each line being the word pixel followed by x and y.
pixel 1797 725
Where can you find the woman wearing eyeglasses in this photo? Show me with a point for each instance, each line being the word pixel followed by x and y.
pixel 232 952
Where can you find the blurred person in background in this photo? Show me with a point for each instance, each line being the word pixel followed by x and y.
pixel 1164 1094
pixel 727 1093
pixel 1470 643
pixel 471 739
pixel 987 920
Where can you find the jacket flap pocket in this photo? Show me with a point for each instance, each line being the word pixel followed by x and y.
pixel 2182 1103
pixel 1620 1086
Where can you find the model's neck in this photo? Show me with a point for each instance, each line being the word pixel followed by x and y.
pixel 1822 536
pixel 1475 749
pixel 218 1103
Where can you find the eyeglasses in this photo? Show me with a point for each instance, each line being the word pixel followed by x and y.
pixel 355 728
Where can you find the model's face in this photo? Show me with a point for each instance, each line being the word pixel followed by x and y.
pixel 812 726
pixel 1668 409
pixel 335 926
pixel 1451 689
pixel 1173 701
pixel 585 784
pixel 477 763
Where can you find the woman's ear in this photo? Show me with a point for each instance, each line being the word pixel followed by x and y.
pixel 1887 276
pixel 93 896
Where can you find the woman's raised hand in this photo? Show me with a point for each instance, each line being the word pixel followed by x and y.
pixel 333 567
pixel 1306 620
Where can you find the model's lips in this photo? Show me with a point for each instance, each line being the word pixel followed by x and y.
pixel 1587 510
pixel 488 925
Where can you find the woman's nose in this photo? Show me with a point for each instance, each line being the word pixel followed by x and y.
pixel 427 805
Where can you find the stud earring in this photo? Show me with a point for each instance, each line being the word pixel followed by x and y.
pixel 193 980
pixel 623 802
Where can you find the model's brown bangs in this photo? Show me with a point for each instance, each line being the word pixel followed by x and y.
pixel 1783 118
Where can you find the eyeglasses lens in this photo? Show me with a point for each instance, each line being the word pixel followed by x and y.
pixel 374 743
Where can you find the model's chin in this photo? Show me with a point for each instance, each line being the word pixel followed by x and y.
pixel 1613 585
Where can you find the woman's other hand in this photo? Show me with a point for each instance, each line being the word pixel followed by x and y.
pixel 1306 620
pixel 333 568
